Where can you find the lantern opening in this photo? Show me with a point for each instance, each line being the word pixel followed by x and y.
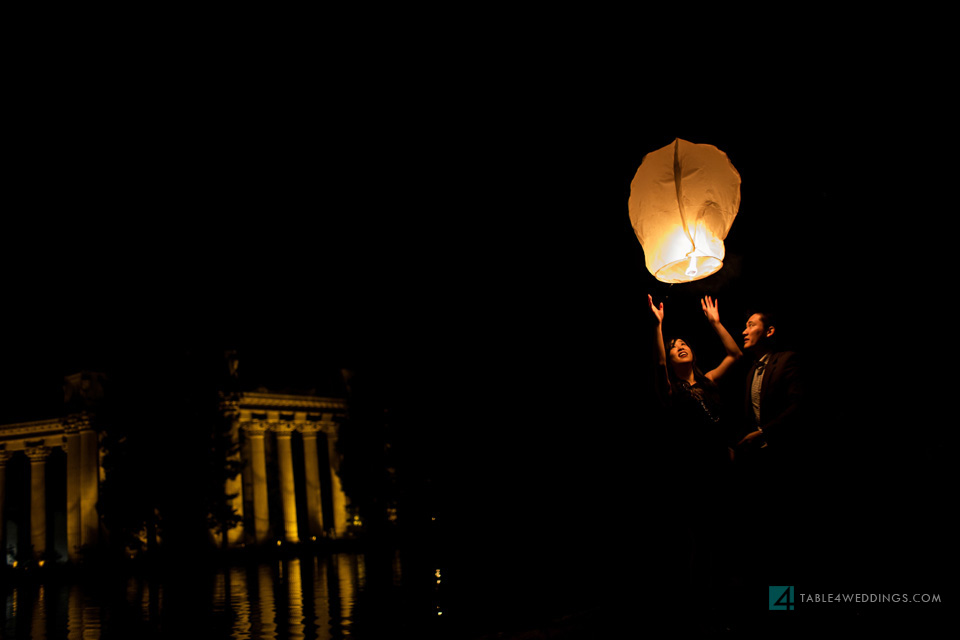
pixel 688 269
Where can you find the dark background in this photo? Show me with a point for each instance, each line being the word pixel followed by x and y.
pixel 467 243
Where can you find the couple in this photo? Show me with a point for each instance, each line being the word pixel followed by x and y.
pixel 720 467
pixel 772 392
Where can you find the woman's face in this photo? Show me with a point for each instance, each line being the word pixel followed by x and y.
pixel 680 352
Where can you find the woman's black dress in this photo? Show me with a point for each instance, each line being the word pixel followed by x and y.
pixel 701 470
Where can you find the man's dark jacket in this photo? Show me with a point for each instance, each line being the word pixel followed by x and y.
pixel 781 399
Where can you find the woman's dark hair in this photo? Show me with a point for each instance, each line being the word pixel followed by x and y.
pixel 691 397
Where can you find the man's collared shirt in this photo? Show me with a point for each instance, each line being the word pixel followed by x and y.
pixel 756 385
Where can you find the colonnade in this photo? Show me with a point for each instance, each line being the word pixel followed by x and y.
pixel 263 424
pixel 267 423
pixel 37 440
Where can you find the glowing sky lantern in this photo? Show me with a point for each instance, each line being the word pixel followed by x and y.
pixel 683 200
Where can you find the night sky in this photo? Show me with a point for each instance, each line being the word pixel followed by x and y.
pixel 469 244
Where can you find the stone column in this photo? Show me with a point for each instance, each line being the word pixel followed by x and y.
pixel 258 470
pixel 4 456
pixel 338 497
pixel 72 438
pixel 38 499
pixel 287 486
pixel 89 485
pixel 311 466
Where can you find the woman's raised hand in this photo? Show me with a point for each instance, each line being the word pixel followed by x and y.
pixel 657 311
pixel 710 310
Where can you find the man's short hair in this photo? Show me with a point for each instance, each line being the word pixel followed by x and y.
pixel 766 316
pixel 769 319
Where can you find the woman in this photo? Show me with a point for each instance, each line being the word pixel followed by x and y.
pixel 693 397
pixel 682 373
pixel 700 460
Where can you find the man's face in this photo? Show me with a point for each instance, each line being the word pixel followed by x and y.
pixel 755 333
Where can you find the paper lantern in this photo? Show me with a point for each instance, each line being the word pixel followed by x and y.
pixel 683 200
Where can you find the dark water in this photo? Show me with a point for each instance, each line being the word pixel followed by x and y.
pixel 389 595
pixel 341 595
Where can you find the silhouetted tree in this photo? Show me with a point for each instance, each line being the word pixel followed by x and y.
pixel 367 470
pixel 167 452
pixel 132 486
pixel 224 463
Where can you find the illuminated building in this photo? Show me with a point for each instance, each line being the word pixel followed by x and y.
pixel 288 487
pixel 27 449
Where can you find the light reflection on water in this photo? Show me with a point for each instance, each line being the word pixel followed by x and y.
pixel 294 598
pixel 306 597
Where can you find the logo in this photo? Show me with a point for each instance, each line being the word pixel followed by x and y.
pixel 781 598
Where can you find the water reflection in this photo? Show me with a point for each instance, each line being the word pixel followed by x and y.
pixel 83 617
pixel 324 597
pixel 311 597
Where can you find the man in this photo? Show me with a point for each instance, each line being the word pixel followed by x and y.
pixel 771 506
pixel 774 392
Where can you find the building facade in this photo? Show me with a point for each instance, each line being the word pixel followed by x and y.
pixel 288 489
pixel 49 488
